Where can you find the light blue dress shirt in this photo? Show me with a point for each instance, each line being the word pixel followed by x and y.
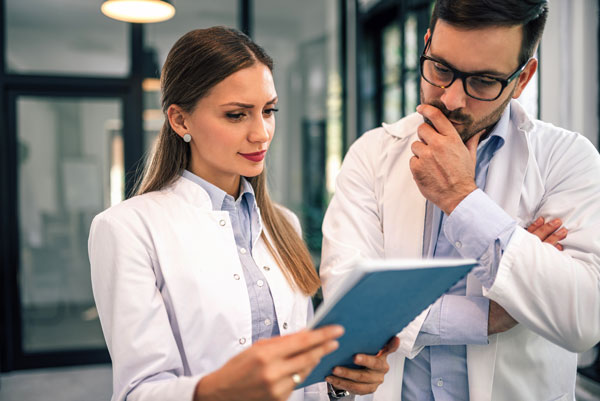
pixel 246 224
pixel 477 228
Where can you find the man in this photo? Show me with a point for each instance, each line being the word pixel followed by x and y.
pixel 461 178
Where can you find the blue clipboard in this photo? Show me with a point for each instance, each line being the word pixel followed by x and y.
pixel 376 300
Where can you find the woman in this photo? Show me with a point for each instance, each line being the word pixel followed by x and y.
pixel 193 276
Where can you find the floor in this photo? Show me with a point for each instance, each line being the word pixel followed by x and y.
pixel 93 383
pixel 89 383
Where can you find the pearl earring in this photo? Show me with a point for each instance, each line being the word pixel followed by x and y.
pixel 187 137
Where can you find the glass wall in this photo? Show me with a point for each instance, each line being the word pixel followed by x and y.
pixel 70 37
pixel 303 39
pixel 70 168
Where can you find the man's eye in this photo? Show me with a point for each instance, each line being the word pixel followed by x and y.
pixel 441 68
pixel 483 81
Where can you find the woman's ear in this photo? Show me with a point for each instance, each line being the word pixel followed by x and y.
pixel 177 119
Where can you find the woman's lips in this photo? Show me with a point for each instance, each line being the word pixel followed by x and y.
pixel 256 156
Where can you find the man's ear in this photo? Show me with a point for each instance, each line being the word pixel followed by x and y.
pixel 427 35
pixel 525 77
pixel 177 119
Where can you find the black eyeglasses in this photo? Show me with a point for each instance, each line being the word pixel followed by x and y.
pixel 477 86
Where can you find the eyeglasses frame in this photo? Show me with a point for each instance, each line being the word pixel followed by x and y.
pixel 464 75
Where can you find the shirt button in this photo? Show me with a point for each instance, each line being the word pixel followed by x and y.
pixel 458 244
pixel 260 283
pixel 242 341
pixel 222 223
pixel 242 250
pixel 440 383
pixel 285 325
pixel 236 276
pixel 266 268
pixel 267 322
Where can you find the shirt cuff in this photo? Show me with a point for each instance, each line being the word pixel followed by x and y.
pixel 464 320
pixel 480 229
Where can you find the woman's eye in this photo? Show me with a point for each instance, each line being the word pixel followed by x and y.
pixel 271 111
pixel 235 116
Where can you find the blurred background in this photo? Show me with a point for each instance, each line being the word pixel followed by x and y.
pixel 80 110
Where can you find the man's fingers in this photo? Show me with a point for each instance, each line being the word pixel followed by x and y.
pixel 556 236
pixel 437 118
pixel 536 224
pixel 547 229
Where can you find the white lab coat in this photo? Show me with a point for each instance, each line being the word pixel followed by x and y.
pixel 542 170
pixel 171 295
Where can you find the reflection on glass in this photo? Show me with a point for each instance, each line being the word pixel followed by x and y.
pixel 411 67
pixel 71 37
pixel 392 65
pixel 70 169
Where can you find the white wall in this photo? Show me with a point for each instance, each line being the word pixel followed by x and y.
pixel 569 67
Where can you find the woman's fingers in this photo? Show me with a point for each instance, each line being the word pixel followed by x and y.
pixel 307 360
pixel 290 345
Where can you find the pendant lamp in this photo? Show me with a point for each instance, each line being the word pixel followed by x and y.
pixel 139 11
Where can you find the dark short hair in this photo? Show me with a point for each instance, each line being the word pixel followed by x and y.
pixel 473 14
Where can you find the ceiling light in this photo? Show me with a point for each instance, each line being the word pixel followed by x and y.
pixel 140 11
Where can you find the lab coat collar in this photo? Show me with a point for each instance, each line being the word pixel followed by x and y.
pixel 190 192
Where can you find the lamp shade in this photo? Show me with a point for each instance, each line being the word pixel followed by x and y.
pixel 140 11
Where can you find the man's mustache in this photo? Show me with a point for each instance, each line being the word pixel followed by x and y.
pixel 454 115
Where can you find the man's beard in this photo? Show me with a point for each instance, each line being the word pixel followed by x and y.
pixel 469 126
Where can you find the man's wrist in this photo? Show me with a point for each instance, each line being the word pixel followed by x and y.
pixel 450 203
pixel 335 394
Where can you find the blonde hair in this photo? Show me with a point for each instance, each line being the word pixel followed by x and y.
pixel 198 61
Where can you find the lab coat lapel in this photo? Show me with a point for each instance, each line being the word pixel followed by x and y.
pixel 504 185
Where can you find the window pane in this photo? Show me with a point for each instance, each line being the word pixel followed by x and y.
pixel 70 37
pixel 70 169
pixel 303 39
pixel 392 65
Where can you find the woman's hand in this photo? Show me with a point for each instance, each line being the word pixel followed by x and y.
pixel 548 232
pixel 364 381
pixel 264 371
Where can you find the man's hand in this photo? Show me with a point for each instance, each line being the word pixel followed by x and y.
pixel 364 381
pixel 499 320
pixel 443 166
pixel 549 232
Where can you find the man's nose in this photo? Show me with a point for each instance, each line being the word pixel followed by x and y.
pixel 454 96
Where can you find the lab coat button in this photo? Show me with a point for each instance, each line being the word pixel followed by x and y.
pixel 222 223
pixel 260 283
pixel 242 341
pixel 242 251
pixel 236 276
pixel 266 268
pixel 458 244
pixel 285 325
pixel 440 383
pixel 267 322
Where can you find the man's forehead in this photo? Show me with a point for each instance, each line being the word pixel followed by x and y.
pixel 493 48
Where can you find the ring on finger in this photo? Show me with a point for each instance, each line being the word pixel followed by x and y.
pixel 296 378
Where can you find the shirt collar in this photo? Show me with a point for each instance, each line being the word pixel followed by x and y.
pixel 499 131
pixel 216 194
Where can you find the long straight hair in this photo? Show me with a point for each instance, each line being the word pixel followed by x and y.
pixel 197 62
